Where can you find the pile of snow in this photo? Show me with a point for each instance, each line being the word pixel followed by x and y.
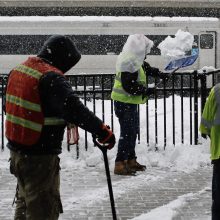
pixel 207 69
pixel 173 48
pixel 181 157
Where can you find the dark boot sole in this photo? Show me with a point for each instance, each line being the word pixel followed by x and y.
pixel 125 174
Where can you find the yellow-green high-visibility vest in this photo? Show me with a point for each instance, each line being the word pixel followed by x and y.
pixel 119 94
pixel 210 121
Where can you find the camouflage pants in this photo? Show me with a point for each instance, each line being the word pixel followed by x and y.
pixel 38 186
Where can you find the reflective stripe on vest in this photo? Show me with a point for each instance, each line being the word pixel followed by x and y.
pixel 53 121
pixel 206 123
pixel 23 122
pixel 32 106
pixel 216 120
pixel 119 94
pixel 33 125
pixel 29 71
pixel 217 100
pixel 23 103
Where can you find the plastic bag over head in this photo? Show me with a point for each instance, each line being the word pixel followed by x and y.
pixel 133 53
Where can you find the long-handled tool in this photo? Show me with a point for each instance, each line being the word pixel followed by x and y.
pixel 182 62
pixel 104 151
pixel 175 65
pixel 168 77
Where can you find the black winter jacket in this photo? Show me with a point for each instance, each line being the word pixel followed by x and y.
pixel 129 80
pixel 58 99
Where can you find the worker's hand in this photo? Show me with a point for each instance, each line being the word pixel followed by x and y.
pixel 164 76
pixel 107 137
pixel 150 91
pixel 205 136
pixel 153 71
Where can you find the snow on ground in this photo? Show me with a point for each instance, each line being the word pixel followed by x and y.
pixel 169 210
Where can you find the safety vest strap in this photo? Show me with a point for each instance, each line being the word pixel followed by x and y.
pixel 209 124
pixel 121 91
pixel 29 71
pixel 54 121
pixel 206 123
pixel 33 125
pixel 117 77
pixel 23 103
pixel 24 122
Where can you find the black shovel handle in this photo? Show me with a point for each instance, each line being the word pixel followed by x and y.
pixel 104 151
pixel 170 74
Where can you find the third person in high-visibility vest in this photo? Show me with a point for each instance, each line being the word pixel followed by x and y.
pixel 210 126
pixel 130 89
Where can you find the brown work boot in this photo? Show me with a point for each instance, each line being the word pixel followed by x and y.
pixel 121 168
pixel 135 166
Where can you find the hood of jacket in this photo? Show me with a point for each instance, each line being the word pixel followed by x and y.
pixel 61 52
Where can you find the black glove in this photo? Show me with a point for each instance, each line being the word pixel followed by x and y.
pixel 153 71
pixel 204 136
pixel 107 137
pixel 164 76
pixel 150 91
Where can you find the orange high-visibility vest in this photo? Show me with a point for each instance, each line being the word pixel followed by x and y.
pixel 24 116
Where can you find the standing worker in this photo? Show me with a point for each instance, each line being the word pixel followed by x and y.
pixel 39 104
pixel 129 90
pixel 210 125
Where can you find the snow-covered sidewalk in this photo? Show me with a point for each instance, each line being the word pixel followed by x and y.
pixel 159 193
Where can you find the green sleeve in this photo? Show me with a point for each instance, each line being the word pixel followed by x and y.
pixel 208 114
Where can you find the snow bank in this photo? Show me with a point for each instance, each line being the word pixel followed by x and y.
pixel 181 157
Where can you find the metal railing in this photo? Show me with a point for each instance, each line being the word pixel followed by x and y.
pixel 172 113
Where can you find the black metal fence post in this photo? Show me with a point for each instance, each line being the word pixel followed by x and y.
pixel 85 99
pixel 112 106
pixel 147 123
pixel 165 114
pixel 139 128
pixel 190 110
pixel 173 110
pixel 182 109
pixel 195 74
pixel 203 91
pixel 3 83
